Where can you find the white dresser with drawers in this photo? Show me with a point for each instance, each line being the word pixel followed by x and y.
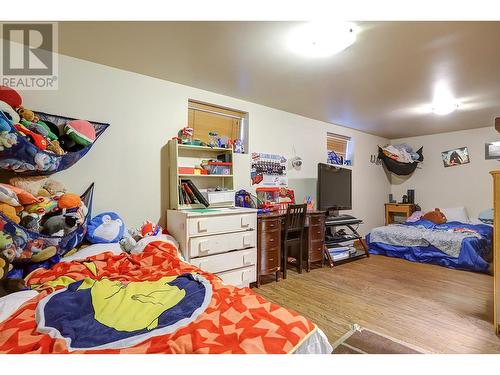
pixel 221 241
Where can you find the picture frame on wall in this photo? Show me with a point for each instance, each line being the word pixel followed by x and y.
pixel 492 150
pixel 457 156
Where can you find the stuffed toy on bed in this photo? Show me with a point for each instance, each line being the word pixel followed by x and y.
pixel 436 216
pixel 8 286
pixel 105 228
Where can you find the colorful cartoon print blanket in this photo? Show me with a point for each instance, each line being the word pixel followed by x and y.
pixel 146 303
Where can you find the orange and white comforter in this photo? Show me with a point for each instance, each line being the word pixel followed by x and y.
pixel 146 303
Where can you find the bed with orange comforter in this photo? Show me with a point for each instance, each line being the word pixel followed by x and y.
pixel 152 302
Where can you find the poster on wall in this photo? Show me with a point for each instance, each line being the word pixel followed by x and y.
pixel 268 170
pixel 454 157
pixel 492 150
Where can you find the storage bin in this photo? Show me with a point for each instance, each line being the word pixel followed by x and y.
pixel 26 243
pixel 19 155
pixel 219 197
pixel 218 167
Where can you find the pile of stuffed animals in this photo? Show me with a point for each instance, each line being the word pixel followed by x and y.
pixel 108 227
pixel 47 136
pixel 41 205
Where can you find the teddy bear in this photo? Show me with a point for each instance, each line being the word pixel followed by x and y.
pixel 27 114
pixel 56 148
pixel 8 286
pixel 54 187
pixel 32 184
pixel 436 216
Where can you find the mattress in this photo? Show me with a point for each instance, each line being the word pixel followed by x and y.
pixel 453 244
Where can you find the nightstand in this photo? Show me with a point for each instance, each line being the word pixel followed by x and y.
pixel 398 209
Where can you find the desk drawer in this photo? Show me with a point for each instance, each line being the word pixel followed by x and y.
pixel 316 251
pixel 399 208
pixel 316 232
pixel 269 239
pixel 269 224
pixel 239 278
pixel 221 243
pixel 269 261
pixel 317 220
pixel 221 224
pixel 227 261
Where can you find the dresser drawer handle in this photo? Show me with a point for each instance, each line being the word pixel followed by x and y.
pixel 318 232
pixel 271 240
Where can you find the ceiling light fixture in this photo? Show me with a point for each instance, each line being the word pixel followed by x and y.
pixel 322 39
pixel 443 102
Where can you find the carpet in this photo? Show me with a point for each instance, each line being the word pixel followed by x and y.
pixel 359 340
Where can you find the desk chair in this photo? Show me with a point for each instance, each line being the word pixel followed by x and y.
pixel 293 239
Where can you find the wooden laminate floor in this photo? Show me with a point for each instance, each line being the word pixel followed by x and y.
pixel 435 308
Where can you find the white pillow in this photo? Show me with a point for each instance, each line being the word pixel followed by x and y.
pixel 456 214
pixel 92 250
pixel 11 302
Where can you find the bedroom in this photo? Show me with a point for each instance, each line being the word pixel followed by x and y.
pixel 291 117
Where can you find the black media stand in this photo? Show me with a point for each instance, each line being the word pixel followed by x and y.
pixel 332 237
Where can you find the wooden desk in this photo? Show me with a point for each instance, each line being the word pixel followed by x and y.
pixel 403 209
pixel 269 228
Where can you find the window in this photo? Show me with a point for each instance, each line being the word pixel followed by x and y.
pixel 339 149
pixel 205 118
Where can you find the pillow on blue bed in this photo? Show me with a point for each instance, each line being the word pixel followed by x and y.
pixel 456 214
pixel 486 216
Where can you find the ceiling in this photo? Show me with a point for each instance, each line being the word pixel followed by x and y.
pixel 378 85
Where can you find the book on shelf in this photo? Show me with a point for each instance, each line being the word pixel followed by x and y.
pixel 191 193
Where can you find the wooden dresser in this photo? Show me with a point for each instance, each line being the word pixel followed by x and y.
pixel 220 241
pixel 496 250
pixel 269 233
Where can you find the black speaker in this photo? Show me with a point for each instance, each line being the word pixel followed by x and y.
pixel 411 196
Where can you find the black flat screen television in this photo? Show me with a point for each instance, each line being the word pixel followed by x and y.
pixel 334 188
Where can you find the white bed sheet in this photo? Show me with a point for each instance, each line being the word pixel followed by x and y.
pixel 316 343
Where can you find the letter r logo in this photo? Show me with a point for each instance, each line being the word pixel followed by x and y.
pixel 27 49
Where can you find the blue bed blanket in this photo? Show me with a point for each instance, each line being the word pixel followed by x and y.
pixel 453 244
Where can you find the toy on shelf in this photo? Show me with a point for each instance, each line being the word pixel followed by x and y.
pixel 238 146
pixel 213 139
pixel 215 167
pixel 186 135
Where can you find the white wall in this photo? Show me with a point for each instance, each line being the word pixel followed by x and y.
pixel 128 162
pixel 468 185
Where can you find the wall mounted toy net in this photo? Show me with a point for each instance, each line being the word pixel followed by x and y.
pixel 34 250
pixel 397 167
pixel 19 155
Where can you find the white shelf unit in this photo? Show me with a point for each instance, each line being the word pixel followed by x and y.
pixel 190 156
